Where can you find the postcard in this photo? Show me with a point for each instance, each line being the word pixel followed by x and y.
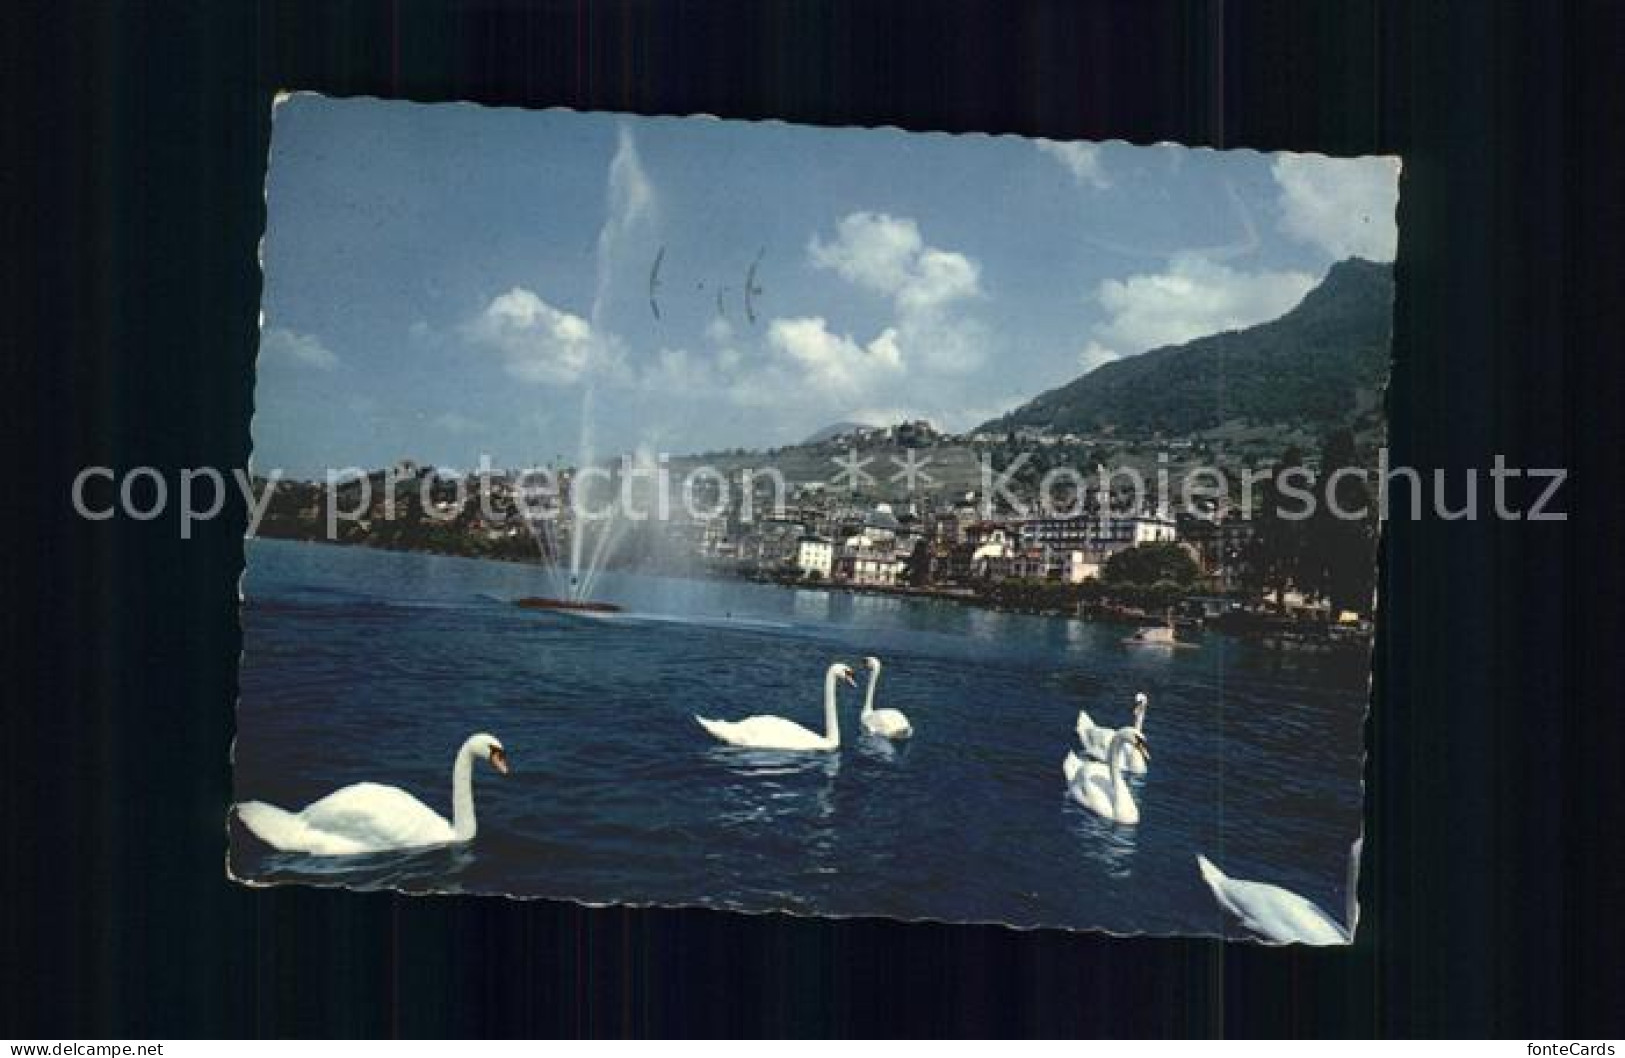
pixel 842 522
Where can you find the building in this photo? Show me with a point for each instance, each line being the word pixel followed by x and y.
pixel 1153 529
pixel 713 534
pixel 876 567
pixel 995 554
pixel 1084 564
pixel 881 525
pixel 992 544
pixel 947 563
pixel 1220 545
pixel 815 556
pixel 911 434
pixel 776 543
pixel 1099 532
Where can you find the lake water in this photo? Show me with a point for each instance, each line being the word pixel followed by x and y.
pixel 370 665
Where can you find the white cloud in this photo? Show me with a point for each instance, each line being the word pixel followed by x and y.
pixel 883 416
pixel 1082 160
pixel 809 375
pixel 941 278
pixel 1193 297
pixel 541 343
pixel 538 343
pixel 801 369
pixel 1094 355
pixel 719 330
pixel 835 364
pixel 717 370
pixel 871 249
pixel 279 343
pixel 1344 206
pixel 812 376
pixel 809 371
pixel 928 286
pixel 678 372
pixel 888 255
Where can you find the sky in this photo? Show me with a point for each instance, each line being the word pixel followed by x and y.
pixel 445 281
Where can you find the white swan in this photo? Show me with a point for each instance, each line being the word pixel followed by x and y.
pixel 886 723
pixel 775 732
pixel 1097 739
pixel 1101 788
pixel 1281 916
pixel 367 817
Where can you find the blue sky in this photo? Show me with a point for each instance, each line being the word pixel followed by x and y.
pixel 449 280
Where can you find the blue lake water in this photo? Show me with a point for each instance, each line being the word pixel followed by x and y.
pixel 370 665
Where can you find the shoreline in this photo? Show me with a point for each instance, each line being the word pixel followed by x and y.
pixel 1269 633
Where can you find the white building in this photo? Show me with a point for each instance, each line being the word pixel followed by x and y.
pixel 1095 531
pixel 864 566
pixel 995 545
pixel 1087 564
pixel 1154 529
pixel 814 555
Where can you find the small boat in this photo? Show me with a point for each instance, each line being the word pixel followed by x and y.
pixel 582 605
pixel 1158 636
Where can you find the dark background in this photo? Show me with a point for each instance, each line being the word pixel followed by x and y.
pixel 133 156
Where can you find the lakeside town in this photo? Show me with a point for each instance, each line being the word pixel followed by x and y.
pixel 1206 563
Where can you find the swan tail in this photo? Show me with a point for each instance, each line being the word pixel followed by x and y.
pixel 1085 724
pixel 1071 766
pixel 292 832
pixel 718 729
pixel 274 826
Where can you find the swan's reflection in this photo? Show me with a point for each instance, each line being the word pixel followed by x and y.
pixel 1109 845
pixel 764 786
pixel 430 867
pixel 875 747
pixel 1150 655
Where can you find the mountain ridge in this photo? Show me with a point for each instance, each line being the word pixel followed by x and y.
pixel 835 430
pixel 1320 364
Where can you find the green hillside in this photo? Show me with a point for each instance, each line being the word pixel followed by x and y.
pixel 1322 364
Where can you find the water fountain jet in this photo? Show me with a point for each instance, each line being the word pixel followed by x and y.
pixel 629 200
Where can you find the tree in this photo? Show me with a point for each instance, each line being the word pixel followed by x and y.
pixel 917 568
pixel 1149 564
pixel 1339 559
pixel 1274 556
pixel 1163 594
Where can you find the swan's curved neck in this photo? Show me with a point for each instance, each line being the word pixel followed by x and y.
pixel 832 721
pixel 463 824
pixel 1114 754
pixel 869 695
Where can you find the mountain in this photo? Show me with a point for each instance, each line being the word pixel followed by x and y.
pixel 1322 364
pixel 834 430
